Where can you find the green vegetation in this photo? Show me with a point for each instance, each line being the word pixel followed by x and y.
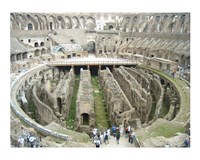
pixel 102 118
pixel 153 108
pixel 165 107
pixel 32 108
pixel 166 129
pixel 72 112
pixel 184 93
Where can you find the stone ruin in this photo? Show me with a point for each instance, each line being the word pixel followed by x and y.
pixel 85 116
pixel 159 41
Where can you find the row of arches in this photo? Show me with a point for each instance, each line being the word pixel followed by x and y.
pixel 27 82
pixel 49 22
pixel 165 23
pixel 27 55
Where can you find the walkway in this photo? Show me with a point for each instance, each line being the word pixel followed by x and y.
pixel 92 61
pixel 123 142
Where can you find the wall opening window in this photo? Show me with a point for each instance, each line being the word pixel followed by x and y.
pixel 30 26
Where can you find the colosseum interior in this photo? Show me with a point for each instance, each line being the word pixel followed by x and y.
pixel 73 72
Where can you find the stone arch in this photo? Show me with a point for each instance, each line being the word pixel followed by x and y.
pixel 110 27
pixel 127 21
pixel 61 22
pixel 90 23
pixel 51 22
pixel 19 56
pixel 20 22
pixel 13 25
pixel 91 47
pixel 68 22
pixel 25 55
pixel 13 58
pixel 30 26
pixel 41 25
pixel 134 24
pixel 37 53
pixel 59 104
pixel 75 22
pixel 48 50
pixel 85 118
pixel 36 44
pixel 173 23
pixel 41 43
pixel 45 21
pixel 43 51
pixel 182 20
pixel 40 73
pixel 35 76
pixel 32 21
pixel 30 79
pixel 26 83
pixel 82 22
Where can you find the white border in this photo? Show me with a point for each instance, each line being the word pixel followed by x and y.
pixel 95 6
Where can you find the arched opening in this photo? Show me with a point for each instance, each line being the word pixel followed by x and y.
pixel 42 44
pixel 162 81
pixel 73 54
pixel 91 47
pixel 19 57
pixel 30 79
pixel 36 44
pixel 12 58
pixel 24 55
pixel 30 26
pixel 26 84
pixel 43 51
pixel 110 27
pixel 59 103
pixel 85 119
pixel 68 56
pixel 37 52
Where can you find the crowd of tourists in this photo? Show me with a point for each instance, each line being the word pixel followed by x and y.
pixel 102 137
pixel 29 140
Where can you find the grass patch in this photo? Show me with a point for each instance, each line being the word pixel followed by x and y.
pixel 165 107
pixel 167 130
pixel 102 117
pixel 153 108
pixel 32 109
pixel 72 112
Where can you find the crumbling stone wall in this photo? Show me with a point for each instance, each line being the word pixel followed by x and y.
pixel 55 96
pixel 85 116
pixel 118 106
pixel 137 96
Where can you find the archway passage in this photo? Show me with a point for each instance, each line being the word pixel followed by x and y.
pixel 59 103
pixel 110 27
pixel 85 119
pixel 91 47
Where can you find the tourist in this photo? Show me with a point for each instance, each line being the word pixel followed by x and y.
pixel 114 130
pixel 117 135
pixel 126 132
pixel 101 138
pixel 97 143
pixel 122 131
pixel 108 132
pixel 21 142
pixel 186 142
pixel 132 138
pixel 106 137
